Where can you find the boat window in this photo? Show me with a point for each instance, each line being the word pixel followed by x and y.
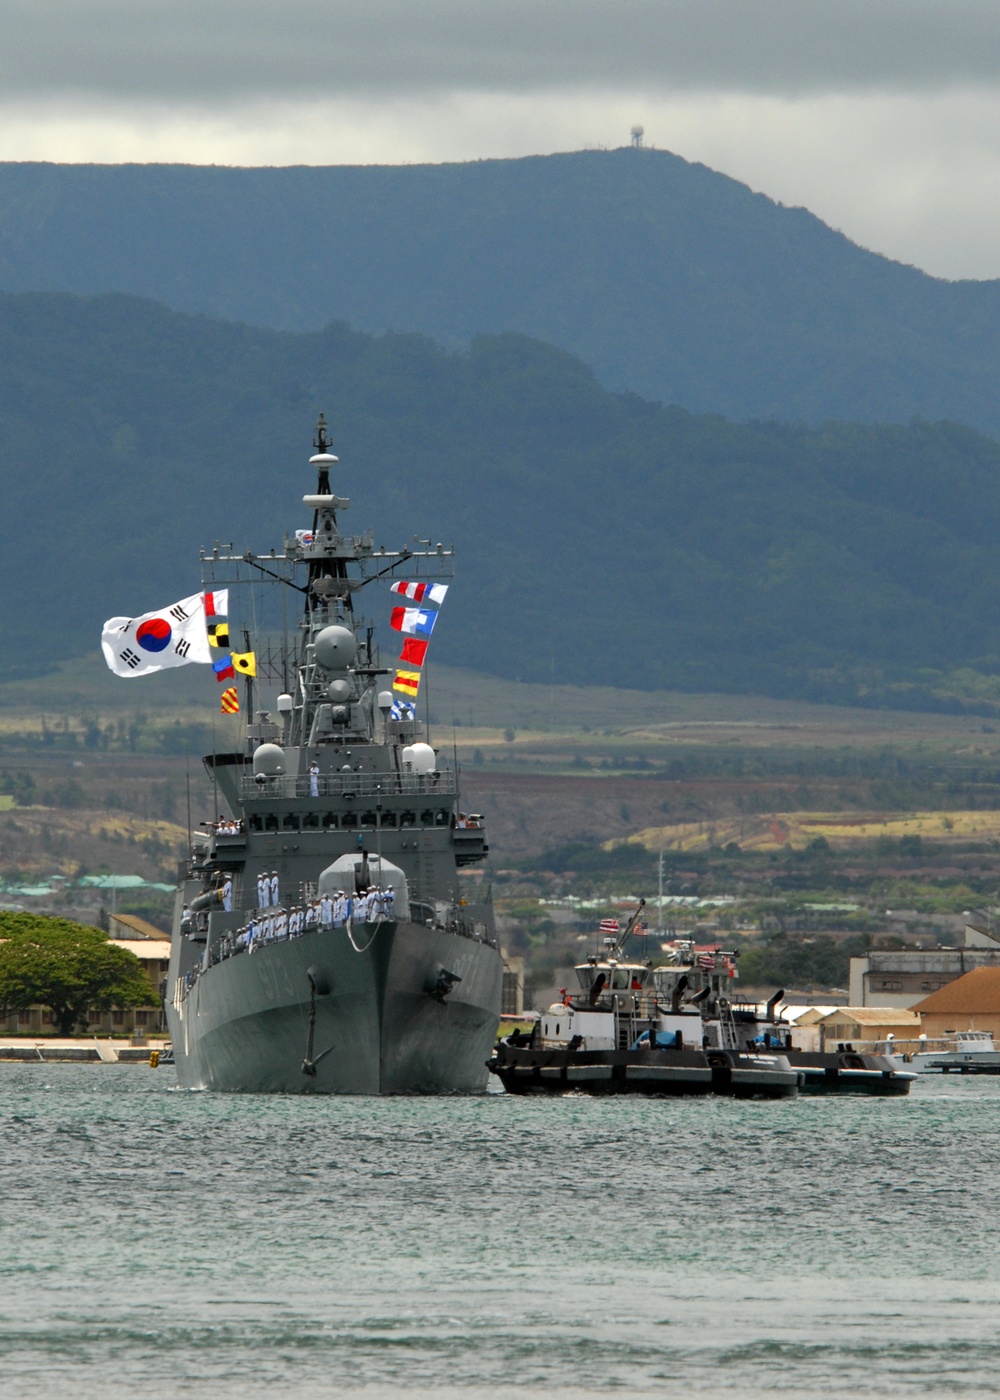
pixel 638 977
pixel 388 818
pixel 349 819
pixel 427 817
pixel 368 819
pixel 270 822
pixel 621 979
pixel 442 817
pixel 291 822
pixel 329 821
pixel 256 824
pixel 407 818
pixel 587 976
pixel 310 820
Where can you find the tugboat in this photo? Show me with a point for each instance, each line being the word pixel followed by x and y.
pixel 677 1029
pixel 323 941
pixel 841 1071
pixel 629 1032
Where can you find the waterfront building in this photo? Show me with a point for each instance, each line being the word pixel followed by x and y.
pixel 857 1025
pixel 970 1003
pixel 904 976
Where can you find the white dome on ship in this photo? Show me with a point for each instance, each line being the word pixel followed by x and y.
pixel 422 757
pixel 336 648
pixel 269 759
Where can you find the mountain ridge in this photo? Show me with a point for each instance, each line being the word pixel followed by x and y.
pixel 668 278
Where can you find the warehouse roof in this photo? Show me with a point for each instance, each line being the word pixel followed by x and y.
pixel 876 1015
pixel 977 993
pixel 131 926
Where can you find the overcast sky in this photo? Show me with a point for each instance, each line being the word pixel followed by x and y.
pixel 882 116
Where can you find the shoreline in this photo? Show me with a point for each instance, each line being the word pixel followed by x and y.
pixel 60 1051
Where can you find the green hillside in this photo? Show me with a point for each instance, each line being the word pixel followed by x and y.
pixel 602 539
pixel 669 279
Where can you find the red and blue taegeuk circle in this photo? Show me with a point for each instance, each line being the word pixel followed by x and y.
pixel 153 634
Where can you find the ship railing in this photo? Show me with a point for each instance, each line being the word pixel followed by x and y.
pixel 348 785
pixel 279 924
pixel 455 919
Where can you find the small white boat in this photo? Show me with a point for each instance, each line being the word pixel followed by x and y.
pixel 967 1052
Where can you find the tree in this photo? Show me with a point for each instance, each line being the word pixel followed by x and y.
pixel 66 967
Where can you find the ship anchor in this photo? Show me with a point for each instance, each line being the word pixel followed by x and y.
pixel 318 986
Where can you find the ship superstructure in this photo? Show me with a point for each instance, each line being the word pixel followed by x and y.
pixel 323 938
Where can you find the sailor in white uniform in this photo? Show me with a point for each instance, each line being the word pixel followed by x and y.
pixel 227 895
pixel 272 885
pixel 314 779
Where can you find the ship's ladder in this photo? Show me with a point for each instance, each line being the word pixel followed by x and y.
pixel 727 1028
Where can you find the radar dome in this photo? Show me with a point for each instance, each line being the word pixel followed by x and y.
pixel 423 758
pixel 336 648
pixel 339 691
pixel 269 760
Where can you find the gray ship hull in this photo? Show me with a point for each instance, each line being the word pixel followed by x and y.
pixel 244 1024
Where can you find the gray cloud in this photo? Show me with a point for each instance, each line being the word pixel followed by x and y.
pixel 225 50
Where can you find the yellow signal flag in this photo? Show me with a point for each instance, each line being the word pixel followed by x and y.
pixel 407 681
pixel 230 701
pixel 218 634
pixel 245 662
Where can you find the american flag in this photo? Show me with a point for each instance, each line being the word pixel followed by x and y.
pixel 609 926
pixel 707 961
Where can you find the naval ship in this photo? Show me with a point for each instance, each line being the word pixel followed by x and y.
pixel 323 940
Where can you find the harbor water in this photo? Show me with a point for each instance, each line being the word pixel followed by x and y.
pixel 160 1243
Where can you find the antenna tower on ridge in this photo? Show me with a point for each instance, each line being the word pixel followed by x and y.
pixel 638 132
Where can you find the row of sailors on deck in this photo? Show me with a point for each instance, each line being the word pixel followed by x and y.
pixel 326 912
pixel 364 907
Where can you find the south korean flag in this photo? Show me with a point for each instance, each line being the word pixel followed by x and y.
pixel 173 636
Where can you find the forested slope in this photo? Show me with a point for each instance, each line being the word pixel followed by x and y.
pixel 601 538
